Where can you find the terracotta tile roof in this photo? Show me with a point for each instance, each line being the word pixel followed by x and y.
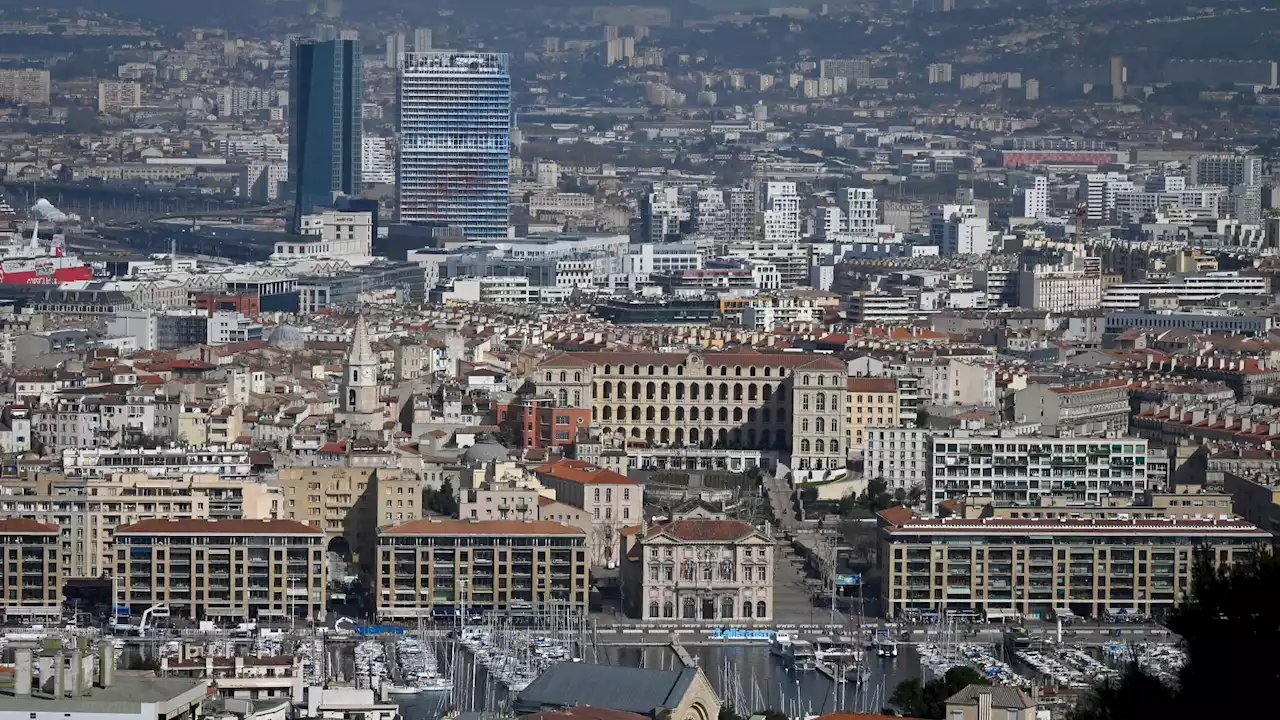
pixel 746 356
pixel 24 525
pixel 1170 526
pixel 219 527
pixel 898 515
pixel 872 385
pixel 583 472
pixel 481 527
pixel 704 530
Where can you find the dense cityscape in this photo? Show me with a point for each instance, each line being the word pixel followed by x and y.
pixel 696 360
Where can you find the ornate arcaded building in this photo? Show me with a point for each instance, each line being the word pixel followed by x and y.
pixel 789 406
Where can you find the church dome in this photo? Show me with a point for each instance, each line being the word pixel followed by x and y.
pixel 288 338
pixel 486 450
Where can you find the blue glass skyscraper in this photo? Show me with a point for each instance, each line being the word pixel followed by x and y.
pixel 455 141
pixel 325 99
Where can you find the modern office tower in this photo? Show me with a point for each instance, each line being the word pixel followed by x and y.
pixel 780 208
pixel 742 214
pixel 1228 169
pixel 1098 193
pixel 860 211
pixel 422 39
pixel 1033 89
pixel 455 133
pixel 325 33
pixel 828 222
pixel 377 161
pixel 325 137
pixel 1245 203
pixel 661 213
pixel 395 49
pixel 709 215
pixel 1242 174
pixel 1117 76
pixel 1035 196
pixel 958 230
pixel 939 73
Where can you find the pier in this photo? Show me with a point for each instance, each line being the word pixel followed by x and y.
pixel 688 660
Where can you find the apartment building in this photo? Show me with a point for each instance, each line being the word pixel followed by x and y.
pixel 88 511
pixel 769 311
pixel 432 568
pixel 32 581
pixel 871 402
pixel 114 96
pixel 1025 469
pixel 702 569
pixel 350 504
pixel 611 500
pixel 542 422
pixel 1041 568
pixel 247 678
pixel 222 569
pixel 1082 409
pixel 25 87
pixel 498 501
pixel 227 462
pixel 898 455
pixel 1255 496
pixel 951 382
pixel 699 405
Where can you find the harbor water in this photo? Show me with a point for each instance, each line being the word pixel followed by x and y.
pixel 747 677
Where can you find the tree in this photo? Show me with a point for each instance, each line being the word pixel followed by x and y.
pixel 506 436
pixel 442 501
pixel 728 713
pixel 929 700
pixel 1228 628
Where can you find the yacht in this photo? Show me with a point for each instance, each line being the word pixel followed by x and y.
pixel 842 649
pixel 780 646
pixel 803 658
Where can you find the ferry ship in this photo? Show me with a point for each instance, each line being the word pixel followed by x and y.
pixel 33 263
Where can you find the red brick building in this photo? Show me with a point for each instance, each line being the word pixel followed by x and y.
pixel 540 424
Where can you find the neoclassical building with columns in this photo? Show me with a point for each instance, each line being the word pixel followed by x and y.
pixel 688 407
pixel 702 569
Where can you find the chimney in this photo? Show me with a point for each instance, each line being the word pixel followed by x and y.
pixel 22 672
pixel 984 704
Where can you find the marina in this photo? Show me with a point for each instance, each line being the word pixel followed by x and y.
pixel 431 672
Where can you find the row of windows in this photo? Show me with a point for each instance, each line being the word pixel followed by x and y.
pixel 687 572
pixel 666 370
pixel 695 415
pixel 654 391
pixel 819 446
pixel 690 609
